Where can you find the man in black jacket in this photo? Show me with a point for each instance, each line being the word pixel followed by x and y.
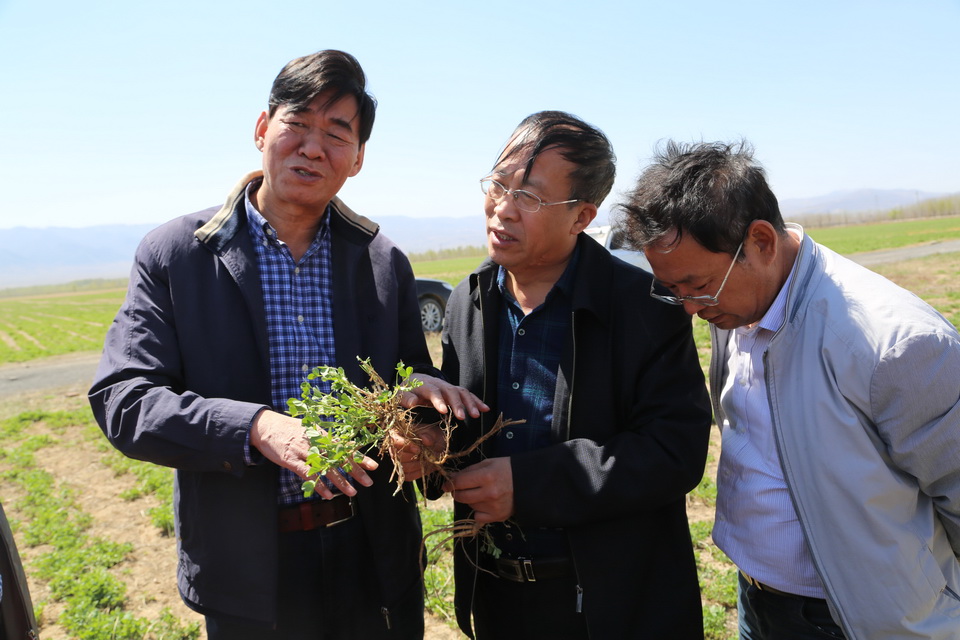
pixel 585 501
pixel 227 311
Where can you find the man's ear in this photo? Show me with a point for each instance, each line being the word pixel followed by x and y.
pixel 586 213
pixel 762 242
pixel 260 130
pixel 359 163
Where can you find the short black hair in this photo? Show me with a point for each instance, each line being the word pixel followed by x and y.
pixel 337 72
pixel 579 143
pixel 710 190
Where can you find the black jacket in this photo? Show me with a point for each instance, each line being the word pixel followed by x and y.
pixel 631 427
pixel 185 370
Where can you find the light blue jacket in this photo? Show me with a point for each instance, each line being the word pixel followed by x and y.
pixel 863 383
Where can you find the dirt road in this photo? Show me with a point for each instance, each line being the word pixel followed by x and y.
pixel 68 374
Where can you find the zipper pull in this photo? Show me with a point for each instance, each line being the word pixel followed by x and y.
pixel 386 616
pixel 579 599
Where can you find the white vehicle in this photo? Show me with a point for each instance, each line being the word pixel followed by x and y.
pixel 610 239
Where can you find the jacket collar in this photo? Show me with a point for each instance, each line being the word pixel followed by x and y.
pixel 807 265
pixel 589 290
pixel 223 226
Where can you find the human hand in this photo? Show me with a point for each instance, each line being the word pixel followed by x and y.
pixel 443 397
pixel 409 454
pixel 280 438
pixel 486 487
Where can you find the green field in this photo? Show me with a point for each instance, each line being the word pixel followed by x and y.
pixel 886 235
pixel 453 270
pixel 55 324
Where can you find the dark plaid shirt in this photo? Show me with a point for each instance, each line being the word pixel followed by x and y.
pixel 530 350
pixel 298 298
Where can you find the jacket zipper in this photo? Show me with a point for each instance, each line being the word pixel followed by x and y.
pixel 476 543
pixel 386 616
pixel 573 375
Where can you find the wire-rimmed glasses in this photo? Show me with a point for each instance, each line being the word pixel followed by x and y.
pixel 524 200
pixel 707 301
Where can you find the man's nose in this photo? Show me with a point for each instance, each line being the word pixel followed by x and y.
pixel 506 207
pixel 311 146
pixel 692 307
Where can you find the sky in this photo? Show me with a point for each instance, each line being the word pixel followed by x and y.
pixel 137 112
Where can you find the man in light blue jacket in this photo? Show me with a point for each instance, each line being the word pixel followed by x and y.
pixel 838 397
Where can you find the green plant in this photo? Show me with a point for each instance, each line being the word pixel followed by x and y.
pixel 345 423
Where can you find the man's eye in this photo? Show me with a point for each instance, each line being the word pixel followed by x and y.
pixel 526 198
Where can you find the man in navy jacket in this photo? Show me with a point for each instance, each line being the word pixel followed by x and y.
pixel 227 310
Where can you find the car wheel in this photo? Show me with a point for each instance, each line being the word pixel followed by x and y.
pixel 431 314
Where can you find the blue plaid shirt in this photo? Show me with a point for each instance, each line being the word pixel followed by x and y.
pixel 530 350
pixel 297 298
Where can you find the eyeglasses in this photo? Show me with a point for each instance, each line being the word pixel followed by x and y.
pixel 524 200
pixel 707 301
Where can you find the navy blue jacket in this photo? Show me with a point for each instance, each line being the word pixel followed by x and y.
pixel 631 424
pixel 185 370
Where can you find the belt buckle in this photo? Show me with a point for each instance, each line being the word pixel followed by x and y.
pixel 353 512
pixel 519 570
pixel 527 569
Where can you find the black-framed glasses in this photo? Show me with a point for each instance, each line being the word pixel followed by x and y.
pixel 707 301
pixel 524 200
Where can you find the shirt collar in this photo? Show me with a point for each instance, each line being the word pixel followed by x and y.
pixel 564 285
pixel 775 316
pixel 262 228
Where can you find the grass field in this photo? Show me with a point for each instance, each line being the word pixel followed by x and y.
pixel 55 324
pixel 886 235
pixel 73 497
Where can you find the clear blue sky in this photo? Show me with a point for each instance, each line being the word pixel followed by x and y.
pixel 140 111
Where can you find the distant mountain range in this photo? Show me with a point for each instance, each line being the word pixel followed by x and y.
pixel 55 255
pixel 855 201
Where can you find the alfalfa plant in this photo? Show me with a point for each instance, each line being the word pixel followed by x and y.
pixel 349 421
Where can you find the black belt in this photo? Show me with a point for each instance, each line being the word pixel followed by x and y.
pixel 528 570
pixel 768 589
pixel 316 514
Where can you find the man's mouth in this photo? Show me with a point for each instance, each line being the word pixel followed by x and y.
pixel 501 236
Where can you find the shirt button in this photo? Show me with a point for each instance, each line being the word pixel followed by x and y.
pixel 296 270
pixel 305 368
pixel 521 332
pixel 226 466
pixel 300 319
pixel 509 435
pixel 509 537
pixel 515 386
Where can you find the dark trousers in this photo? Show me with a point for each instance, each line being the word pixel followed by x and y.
pixel 328 591
pixel 767 616
pixel 542 610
